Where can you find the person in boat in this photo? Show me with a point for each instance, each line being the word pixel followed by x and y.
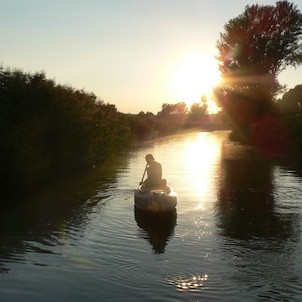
pixel 154 173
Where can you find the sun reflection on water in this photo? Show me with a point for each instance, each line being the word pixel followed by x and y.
pixel 188 284
pixel 199 156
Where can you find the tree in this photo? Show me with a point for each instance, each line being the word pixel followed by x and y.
pixel 198 110
pixel 291 103
pixel 48 130
pixel 171 118
pixel 290 108
pixel 143 125
pixel 253 49
pixel 168 110
pixel 258 44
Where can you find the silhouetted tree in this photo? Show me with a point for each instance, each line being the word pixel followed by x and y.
pixel 173 109
pixel 47 130
pixel 172 118
pixel 291 102
pixel 198 110
pixel 258 44
pixel 143 125
pixel 290 108
pixel 253 49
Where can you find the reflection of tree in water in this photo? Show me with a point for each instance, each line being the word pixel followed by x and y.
pixel 246 206
pixel 261 237
pixel 292 163
pixel 158 228
pixel 37 222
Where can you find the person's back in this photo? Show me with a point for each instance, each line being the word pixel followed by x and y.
pixel 154 172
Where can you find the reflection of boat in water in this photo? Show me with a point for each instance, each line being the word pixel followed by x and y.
pixel 158 227
pixel 155 199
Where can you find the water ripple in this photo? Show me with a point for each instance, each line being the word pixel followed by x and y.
pixel 188 283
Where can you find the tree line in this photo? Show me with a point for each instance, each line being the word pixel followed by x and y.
pixel 49 130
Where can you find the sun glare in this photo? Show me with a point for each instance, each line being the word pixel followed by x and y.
pixel 199 158
pixel 212 107
pixel 196 76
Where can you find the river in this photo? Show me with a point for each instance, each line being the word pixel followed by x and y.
pixel 235 236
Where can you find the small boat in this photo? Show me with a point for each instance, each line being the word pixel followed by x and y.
pixel 159 199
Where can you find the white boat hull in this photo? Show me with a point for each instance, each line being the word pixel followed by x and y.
pixel 155 199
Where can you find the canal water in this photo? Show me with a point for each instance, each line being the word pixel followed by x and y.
pixel 235 235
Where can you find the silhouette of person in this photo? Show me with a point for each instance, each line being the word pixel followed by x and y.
pixel 154 172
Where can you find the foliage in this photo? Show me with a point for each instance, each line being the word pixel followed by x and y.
pixel 253 49
pixel 172 118
pixel 143 125
pixel 290 108
pixel 48 130
pixel 198 110
pixel 291 102
pixel 258 44
pixel 169 110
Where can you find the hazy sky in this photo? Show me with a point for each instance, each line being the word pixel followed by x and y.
pixel 124 51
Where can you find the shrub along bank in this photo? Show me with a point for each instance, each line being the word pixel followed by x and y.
pixel 48 130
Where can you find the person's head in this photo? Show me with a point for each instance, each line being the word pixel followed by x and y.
pixel 149 158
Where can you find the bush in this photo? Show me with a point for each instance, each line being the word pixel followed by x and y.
pixel 48 130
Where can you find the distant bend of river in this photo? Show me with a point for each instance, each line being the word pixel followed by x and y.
pixel 235 236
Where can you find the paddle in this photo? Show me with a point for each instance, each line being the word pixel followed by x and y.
pixel 144 173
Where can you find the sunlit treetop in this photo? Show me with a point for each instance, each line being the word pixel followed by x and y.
pixel 261 42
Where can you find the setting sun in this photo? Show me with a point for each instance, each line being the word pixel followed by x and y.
pixel 195 76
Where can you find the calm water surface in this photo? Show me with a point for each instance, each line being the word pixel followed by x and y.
pixel 235 236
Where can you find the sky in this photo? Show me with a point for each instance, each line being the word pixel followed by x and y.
pixel 135 54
